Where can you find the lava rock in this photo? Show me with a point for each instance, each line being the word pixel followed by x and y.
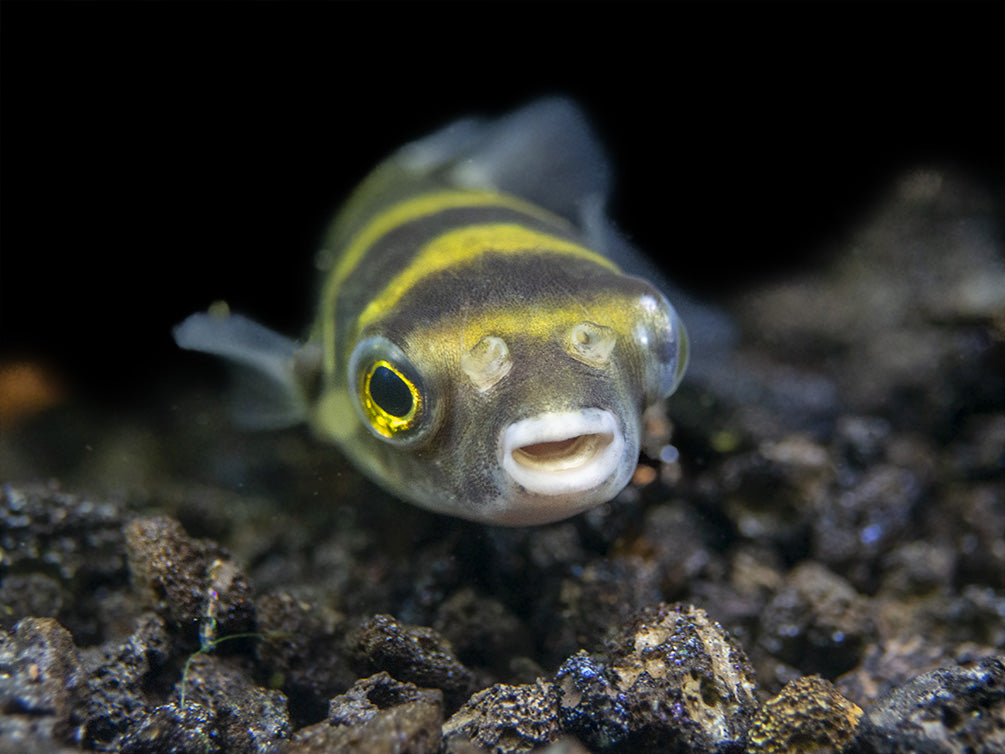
pixel 808 715
pixel 960 709
pixel 482 630
pixel 378 715
pixel 170 730
pixel 854 526
pixel 192 584
pixel 765 490
pixel 216 708
pixel 816 622
pixel 57 549
pixel 117 676
pixel 416 654
pixel 30 595
pixel 40 680
pixel 890 663
pixel 301 649
pixel 594 600
pixel 369 696
pixel 564 746
pixel 673 680
pixel 591 705
pixel 687 685
pixel 505 720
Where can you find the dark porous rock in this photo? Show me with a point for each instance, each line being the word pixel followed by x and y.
pixel 30 594
pixel 117 676
pixel 957 709
pixel 765 490
pixel 860 442
pixel 673 680
pixel 972 519
pixel 248 718
pixel 917 568
pixel 481 629
pixel 56 550
pixel 40 681
pixel 675 536
pixel 816 622
pixel 684 683
pixel 738 601
pixel 215 707
pixel 807 716
pixel 170 730
pixel 504 720
pixel 415 654
pixel 591 705
pixel 890 663
pixel 857 523
pixel 563 746
pixel 369 696
pixel 301 649
pixel 193 584
pixel 594 600
pixel 378 715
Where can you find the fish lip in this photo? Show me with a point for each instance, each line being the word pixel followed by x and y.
pixel 589 446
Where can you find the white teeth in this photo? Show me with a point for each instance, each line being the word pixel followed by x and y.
pixel 563 452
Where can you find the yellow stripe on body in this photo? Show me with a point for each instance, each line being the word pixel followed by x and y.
pixel 388 220
pixel 463 244
pixel 533 321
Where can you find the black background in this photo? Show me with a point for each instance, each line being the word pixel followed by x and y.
pixel 156 157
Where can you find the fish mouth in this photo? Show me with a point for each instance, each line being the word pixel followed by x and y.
pixel 563 453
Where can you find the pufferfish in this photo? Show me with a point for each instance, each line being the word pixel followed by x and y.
pixel 478 349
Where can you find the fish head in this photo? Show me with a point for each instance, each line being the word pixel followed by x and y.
pixel 513 416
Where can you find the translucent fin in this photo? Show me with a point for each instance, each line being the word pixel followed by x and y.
pixel 269 388
pixel 544 152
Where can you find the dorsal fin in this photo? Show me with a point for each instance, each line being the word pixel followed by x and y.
pixel 545 152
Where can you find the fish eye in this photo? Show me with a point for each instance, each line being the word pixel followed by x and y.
pixel 389 392
pixel 390 399
pixel 661 334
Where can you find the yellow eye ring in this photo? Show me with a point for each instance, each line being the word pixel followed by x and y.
pixel 389 399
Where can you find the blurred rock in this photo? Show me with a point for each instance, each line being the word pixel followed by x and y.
pixel 40 681
pixel 816 622
pixel 54 548
pixel 302 650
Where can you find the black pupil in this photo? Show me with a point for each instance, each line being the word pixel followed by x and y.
pixel 390 392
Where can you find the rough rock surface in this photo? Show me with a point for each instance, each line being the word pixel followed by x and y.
pixel 505 719
pixel 808 715
pixel 379 715
pixel 674 679
pixel 951 710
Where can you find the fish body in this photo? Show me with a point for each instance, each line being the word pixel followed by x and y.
pixel 477 350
